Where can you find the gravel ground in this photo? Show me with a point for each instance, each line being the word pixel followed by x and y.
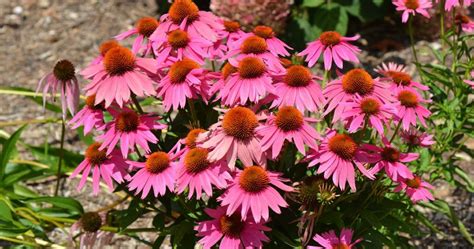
pixel 35 34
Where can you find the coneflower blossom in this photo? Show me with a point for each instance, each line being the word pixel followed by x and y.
pixel 399 77
pixel 251 82
pixel 196 173
pixel 288 124
pixel 119 75
pixel 103 166
pixel 91 116
pixel 414 137
pixel 179 44
pixel 143 29
pixel 90 235
pixel 130 129
pixel 62 79
pixel 409 108
pixel 390 159
pixel 416 189
pixel 189 142
pixel 336 157
pixel 231 230
pixel 158 172
pixel 234 138
pixel 450 4
pixel 252 191
pixel 411 7
pixel 231 32
pixel 185 80
pixel 275 45
pixel 466 24
pixel 368 109
pixel 103 49
pixel 226 70
pixel 329 240
pixel 185 15
pixel 334 47
pixel 253 45
pixel 356 82
pixel 298 87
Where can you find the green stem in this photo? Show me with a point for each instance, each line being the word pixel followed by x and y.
pixel 325 78
pixel 441 23
pixel 213 66
pixel 396 131
pixel 137 104
pixel 61 154
pixel 455 44
pixel 194 119
pixel 412 43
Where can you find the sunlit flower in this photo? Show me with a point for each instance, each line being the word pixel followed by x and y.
pixel 412 7
pixel 414 137
pixel 103 49
pixel 91 116
pixel 231 32
pixel 130 129
pixel 179 44
pixel 298 87
pixel 62 79
pixel 409 108
pixel 329 240
pixel 185 15
pixel 158 172
pixel 253 191
pixel 234 137
pixel 185 80
pixel 334 47
pixel 118 76
pixel 290 125
pixel 103 166
pixel 251 82
pixel 226 70
pixel 275 45
pixel 450 4
pixel 416 189
pixel 466 24
pixel 336 157
pixel 399 77
pixel 368 109
pixel 391 159
pixel 189 142
pixel 143 29
pixel 196 173
pixel 231 230
pixel 356 82
pixel 90 235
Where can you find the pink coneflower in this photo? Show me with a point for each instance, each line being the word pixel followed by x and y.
pixel 103 49
pixel 197 174
pixel 470 82
pixel 253 191
pixel 356 82
pixel 337 155
pixel 416 189
pixel 231 32
pixel 119 75
pixel 226 70
pixel 450 4
pixel 399 77
pixel 329 240
pixel 143 29
pixel 104 166
pixel 90 235
pixel 232 231
pixel 288 124
pixel 131 129
pixel 466 24
pixel 414 137
pixel 185 80
pixel 178 44
pixel 189 142
pixel 253 45
pixel 158 172
pixel 412 7
pixel 234 138
pixel 185 15
pixel 333 47
pixel 409 108
pixel 368 109
pixel 91 116
pixel 298 87
pixel 391 159
pixel 62 78
pixel 275 45
pixel 251 82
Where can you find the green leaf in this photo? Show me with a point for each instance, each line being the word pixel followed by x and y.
pixel 5 212
pixel 332 18
pixel 312 3
pixel 61 202
pixel 7 149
